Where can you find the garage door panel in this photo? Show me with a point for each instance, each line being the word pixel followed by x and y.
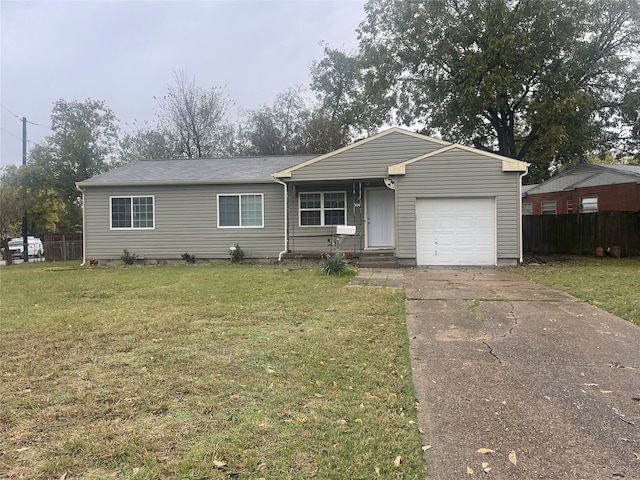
pixel 455 231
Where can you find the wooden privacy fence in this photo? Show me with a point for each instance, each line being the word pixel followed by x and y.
pixel 581 233
pixel 58 247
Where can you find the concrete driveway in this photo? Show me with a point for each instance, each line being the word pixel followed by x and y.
pixel 548 384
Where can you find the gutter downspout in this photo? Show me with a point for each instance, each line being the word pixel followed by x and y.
pixel 84 230
pixel 520 214
pixel 286 217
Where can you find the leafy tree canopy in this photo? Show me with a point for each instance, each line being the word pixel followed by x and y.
pixel 545 81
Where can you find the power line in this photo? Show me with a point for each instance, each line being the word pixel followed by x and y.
pixel 14 135
pixel 20 118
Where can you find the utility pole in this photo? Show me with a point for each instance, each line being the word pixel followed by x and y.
pixel 25 240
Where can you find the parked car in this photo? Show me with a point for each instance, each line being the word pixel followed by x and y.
pixel 16 247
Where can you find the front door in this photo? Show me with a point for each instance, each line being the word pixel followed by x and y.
pixel 380 218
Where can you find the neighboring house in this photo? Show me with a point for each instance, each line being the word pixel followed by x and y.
pixel 586 188
pixel 427 201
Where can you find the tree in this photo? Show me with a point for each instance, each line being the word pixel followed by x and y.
pixel 195 118
pixel 82 145
pixel 147 143
pixel 336 79
pixel 27 189
pixel 544 81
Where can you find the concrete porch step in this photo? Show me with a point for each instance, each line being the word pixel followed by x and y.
pixel 379 259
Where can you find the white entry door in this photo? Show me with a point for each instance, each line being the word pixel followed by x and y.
pixel 380 218
pixel 455 231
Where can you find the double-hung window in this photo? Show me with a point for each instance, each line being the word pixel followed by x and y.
pixel 318 209
pixel 549 207
pixel 240 210
pixel 588 204
pixel 132 212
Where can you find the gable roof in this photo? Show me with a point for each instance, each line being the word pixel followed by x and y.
pixel 196 170
pixel 508 164
pixel 439 146
pixel 394 130
pixel 588 174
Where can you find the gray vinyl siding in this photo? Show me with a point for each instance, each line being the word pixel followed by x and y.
pixel 454 174
pixel 367 160
pixel 314 239
pixel 185 221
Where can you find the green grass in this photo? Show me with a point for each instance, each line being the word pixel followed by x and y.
pixel 612 284
pixel 202 371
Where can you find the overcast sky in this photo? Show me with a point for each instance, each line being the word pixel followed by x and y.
pixel 124 52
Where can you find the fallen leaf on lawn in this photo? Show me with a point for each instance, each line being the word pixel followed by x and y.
pixel 470 470
pixel 485 450
pixel 485 467
pixel 219 464
pixel 396 462
pixel 377 470
pixel 426 447
pixel 261 467
pixel 270 370
pixel 637 455
pixel 512 457
pixel 63 476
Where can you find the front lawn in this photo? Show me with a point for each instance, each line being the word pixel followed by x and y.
pixel 612 284
pixel 202 371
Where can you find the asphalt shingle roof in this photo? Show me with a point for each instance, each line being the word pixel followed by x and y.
pixel 197 170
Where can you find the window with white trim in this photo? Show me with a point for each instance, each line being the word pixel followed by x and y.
pixel 322 208
pixel 527 209
pixel 132 212
pixel 549 207
pixel 589 204
pixel 243 210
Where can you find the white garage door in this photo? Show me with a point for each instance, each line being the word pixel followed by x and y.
pixel 456 231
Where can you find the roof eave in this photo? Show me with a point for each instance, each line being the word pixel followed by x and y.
pixel 151 183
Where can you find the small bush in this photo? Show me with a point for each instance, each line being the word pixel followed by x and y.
pixel 128 258
pixel 189 257
pixel 236 254
pixel 334 264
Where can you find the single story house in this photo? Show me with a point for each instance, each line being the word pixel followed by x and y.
pixel 424 200
pixel 586 188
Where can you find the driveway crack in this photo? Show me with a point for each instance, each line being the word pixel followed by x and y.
pixel 492 353
pixel 515 319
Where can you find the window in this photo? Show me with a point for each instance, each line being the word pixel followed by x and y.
pixel 549 207
pixel 243 210
pixel 317 209
pixel 569 206
pixel 589 204
pixel 132 213
pixel 527 209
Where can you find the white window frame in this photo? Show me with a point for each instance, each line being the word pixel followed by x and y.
pixel 131 197
pixel 527 209
pixel 590 210
pixel 322 209
pixel 240 195
pixel 549 211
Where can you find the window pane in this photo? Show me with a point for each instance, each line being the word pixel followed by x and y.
pixel 334 200
pixel 589 204
pixel 334 217
pixel 527 209
pixel 120 213
pixel 143 212
pixel 229 211
pixel 309 200
pixel 310 217
pixel 251 207
pixel 549 207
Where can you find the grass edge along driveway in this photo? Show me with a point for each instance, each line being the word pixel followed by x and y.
pixel 612 284
pixel 203 371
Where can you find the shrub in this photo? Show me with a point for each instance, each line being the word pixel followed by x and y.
pixel 335 263
pixel 236 254
pixel 128 258
pixel 189 257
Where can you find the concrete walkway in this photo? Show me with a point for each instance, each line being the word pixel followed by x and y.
pixel 548 385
